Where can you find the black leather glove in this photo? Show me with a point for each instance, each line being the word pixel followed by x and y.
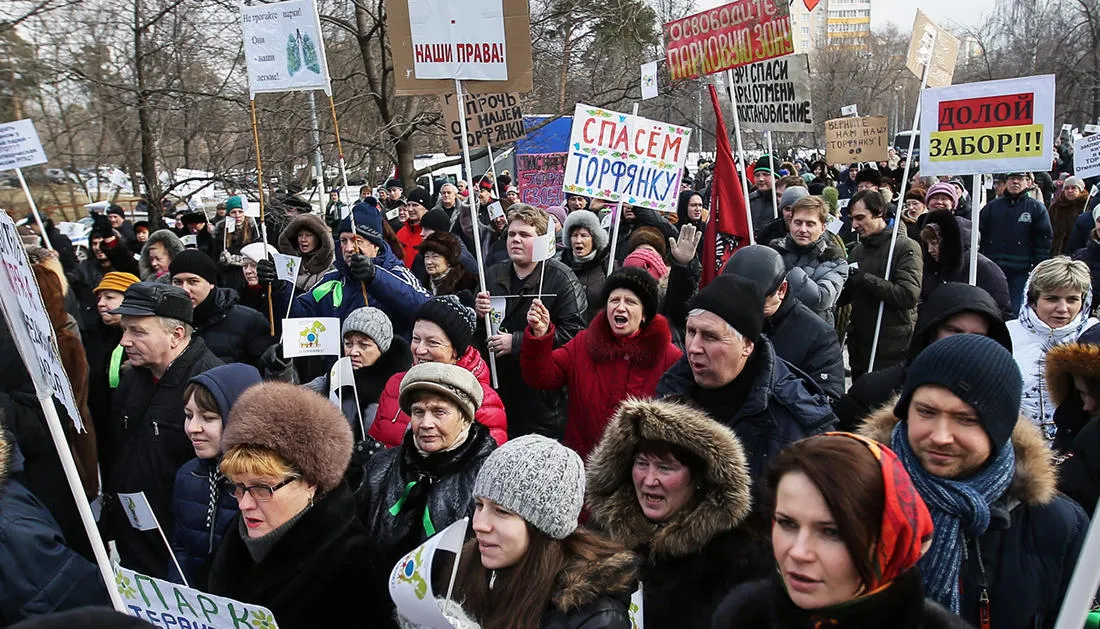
pixel 101 227
pixel 361 268
pixel 265 272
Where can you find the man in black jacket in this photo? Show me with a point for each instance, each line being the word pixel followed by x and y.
pixel 799 336
pixel 519 279
pixel 233 332
pixel 147 416
pixel 731 371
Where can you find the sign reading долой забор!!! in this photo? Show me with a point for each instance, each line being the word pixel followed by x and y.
pixel 993 126
pixel 774 95
pixel 725 37
pixel 620 157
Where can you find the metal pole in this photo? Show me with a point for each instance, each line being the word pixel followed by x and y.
pixel 897 219
pixel 741 155
pixel 318 160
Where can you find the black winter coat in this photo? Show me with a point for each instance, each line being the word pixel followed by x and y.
pixel 320 573
pixel 442 493
pixel 233 332
pixel 1082 229
pixel 88 274
pixel 872 390
pixel 531 410
pixel 1090 255
pixel 777 407
pixel 151 446
pixel 202 510
pixel 1079 474
pixel 902 605
pixel 592 274
pixel 954 262
pixel 39 573
pixel 867 288
pixel 1031 547
pixel 805 341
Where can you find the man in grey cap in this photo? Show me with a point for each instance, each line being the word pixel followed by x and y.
pixel 145 442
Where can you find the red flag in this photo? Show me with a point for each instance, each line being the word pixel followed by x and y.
pixel 811 4
pixel 728 226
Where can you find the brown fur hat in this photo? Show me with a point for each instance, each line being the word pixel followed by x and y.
pixel 648 236
pixel 297 424
pixel 445 244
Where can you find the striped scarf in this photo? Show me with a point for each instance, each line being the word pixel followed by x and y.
pixel 960 509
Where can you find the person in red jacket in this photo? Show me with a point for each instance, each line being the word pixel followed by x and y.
pixel 623 352
pixel 412 232
pixel 443 331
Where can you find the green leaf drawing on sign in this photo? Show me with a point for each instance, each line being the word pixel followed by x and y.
pixel 122 584
pixel 309 51
pixel 260 620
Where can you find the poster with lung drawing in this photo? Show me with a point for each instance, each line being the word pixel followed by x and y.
pixel 283 48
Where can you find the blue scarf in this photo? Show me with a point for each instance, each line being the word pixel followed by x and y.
pixel 960 509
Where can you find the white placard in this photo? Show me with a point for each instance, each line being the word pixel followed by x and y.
pixel 138 511
pixel 774 95
pixel 411 578
pixel 311 336
pixel 20 146
pixel 496 210
pixel 283 47
pixel 458 39
pixel 286 267
pixel 174 605
pixel 497 308
pixel 98 207
pixel 190 240
pixel 1086 156
pixel 637 608
pixel 30 326
pixel 342 374
pixel 1092 128
pixel 849 110
pixel 992 126
pixel 649 80
pixel 544 246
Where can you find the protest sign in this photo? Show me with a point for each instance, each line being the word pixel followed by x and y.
pixel 250 209
pixel 408 81
pixel 637 609
pixel 621 157
pixel 496 210
pixel 20 146
pixel 1086 156
pixel 283 47
pixel 540 179
pixel 410 581
pixel 230 225
pixel 775 95
pixel 497 306
pixel 933 45
pixel 138 511
pixel 167 604
pixel 544 246
pixel 458 39
pixel 649 80
pixel 29 324
pixel 490 119
pixel 286 267
pixel 342 374
pixel 849 110
pixel 725 37
pixel 856 140
pixel 993 126
pixel 98 207
pixel 190 240
pixel 1092 128
pixel 311 336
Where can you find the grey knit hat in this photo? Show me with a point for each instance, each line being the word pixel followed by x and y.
pixel 537 478
pixel 589 221
pixel 370 322
pixel 451 381
pixel 791 195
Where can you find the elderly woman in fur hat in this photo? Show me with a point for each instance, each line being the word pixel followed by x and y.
pixel 298 548
pixel 672 484
pixel 443 270
pixel 586 253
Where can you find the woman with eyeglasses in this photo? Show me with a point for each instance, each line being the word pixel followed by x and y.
pixel 297 548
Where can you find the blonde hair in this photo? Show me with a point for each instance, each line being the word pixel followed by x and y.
pixel 532 216
pixel 1058 273
pixel 812 203
pixel 253 460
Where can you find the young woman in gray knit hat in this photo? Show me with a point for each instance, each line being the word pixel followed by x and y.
pixel 530 566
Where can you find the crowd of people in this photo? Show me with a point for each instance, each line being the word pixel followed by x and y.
pixel 839 429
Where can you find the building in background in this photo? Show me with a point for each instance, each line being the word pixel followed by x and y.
pixel 844 23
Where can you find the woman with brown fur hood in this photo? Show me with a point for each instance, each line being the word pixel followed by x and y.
pixel 1073 379
pixel 672 484
pixel 308 237
pixel 442 270
pixel 1064 210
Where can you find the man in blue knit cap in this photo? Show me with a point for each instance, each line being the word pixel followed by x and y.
pixel 1006 541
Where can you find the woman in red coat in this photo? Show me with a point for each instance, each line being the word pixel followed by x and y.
pixel 623 352
pixel 442 333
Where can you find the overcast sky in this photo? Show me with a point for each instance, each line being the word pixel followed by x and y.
pixel 944 12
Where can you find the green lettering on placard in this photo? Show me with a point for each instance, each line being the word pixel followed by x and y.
pixel 145 597
pixel 181 602
pixel 213 609
pixel 241 621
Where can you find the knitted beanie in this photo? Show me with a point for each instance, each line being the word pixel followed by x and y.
pixel 557 212
pixel 233 203
pixel 537 478
pixel 370 322
pixel 977 369
pixel 737 300
pixel 116 209
pixel 435 220
pixel 791 195
pixel 647 258
pixel 637 281
pixel 869 175
pixel 116 281
pixel 419 195
pixel 457 320
pixel 943 187
pixel 368 221
pixel 451 381
pixel 197 262
pixel 299 425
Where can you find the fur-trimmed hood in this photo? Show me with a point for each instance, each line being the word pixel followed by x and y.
pixel 584 581
pixel 5 456
pixel 1035 481
pixel 320 260
pixel 644 349
pixel 172 244
pixel 1072 359
pixel 723 499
